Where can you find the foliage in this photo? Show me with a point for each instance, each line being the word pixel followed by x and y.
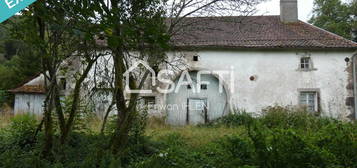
pixel 234 119
pixel 272 140
pixel 55 30
pixel 335 16
pixel 3 97
pixel 83 116
pixel 11 48
pixel 280 117
pixel 17 60
pixel 24 65
pixel 19 133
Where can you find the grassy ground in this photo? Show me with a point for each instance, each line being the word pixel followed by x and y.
pixel 4 121
pixel 5 115
pixel 280 138
pixel 194 136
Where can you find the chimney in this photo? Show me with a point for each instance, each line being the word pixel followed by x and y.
pixel 289 11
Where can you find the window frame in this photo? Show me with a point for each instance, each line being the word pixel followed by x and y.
pixel 304 65
pixel 147 102
pixel 305 62
pixel 316 93
pixel 204 87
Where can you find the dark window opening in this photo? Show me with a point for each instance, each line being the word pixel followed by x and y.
pixel 203 87
pixel 195 58
pixel 150 102
pixel 63 84
pixel 189 87
pixel 156 69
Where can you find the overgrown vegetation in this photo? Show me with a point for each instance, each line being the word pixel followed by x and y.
pixel 279 138
pixel 18 62
pixel 53 32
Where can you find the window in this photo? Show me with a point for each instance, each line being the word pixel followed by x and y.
pixel 62 83
pixel 195 58
pixel 310 100
pixel 189 87
pixel 203 87
pixel 305 63
pixel 150 102
pixel 157 70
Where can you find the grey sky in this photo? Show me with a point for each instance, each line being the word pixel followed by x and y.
pixel 272 7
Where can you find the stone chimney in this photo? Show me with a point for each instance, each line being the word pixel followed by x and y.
pixel 289 11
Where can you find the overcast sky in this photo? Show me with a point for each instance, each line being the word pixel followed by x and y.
pixel 272 7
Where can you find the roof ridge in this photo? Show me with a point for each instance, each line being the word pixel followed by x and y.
pixel 268 40
pixel 191 17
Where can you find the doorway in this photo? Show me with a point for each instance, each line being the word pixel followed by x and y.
pixel 197 111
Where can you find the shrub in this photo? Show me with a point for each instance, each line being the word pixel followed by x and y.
pixel 3 97
pixel 289 149
pixel 83 116
pixel 279 138
pixel 17 143
pixel 282 117
pixel 341 140
pixel 234 119
pixel 173 153
pixel 21 130
pixel 230 151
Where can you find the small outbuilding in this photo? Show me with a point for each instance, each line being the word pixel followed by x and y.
pixel 29 97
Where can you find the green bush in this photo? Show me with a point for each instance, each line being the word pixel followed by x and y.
pixel 17 143
pixel 234 119
pixel 279 138
pixel 21 130
pixel 289 149
pixel 341 140
pixel 3 97
pixel 285 118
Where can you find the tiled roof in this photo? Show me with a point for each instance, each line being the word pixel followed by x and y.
pixel 255 32
pixel 29 89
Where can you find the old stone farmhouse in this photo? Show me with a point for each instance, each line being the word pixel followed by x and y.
pixel 275 60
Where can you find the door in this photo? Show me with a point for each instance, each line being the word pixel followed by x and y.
pixel 197 111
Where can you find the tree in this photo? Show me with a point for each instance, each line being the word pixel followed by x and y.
pixel 141 29
pixel 335 16
pixel 17 61
pixel 22 66
pixel 354 20
pixel 133 30
pixel 57 35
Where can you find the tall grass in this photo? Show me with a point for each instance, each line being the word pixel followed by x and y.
pixel 5 115
pixel 279 138
pixel 4 120
pixel 194 136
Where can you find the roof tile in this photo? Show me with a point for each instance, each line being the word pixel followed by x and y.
pixel 254 32
pixel 29 89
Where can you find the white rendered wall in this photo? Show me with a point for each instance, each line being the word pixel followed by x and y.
pixel 29 103
pixel 278 78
